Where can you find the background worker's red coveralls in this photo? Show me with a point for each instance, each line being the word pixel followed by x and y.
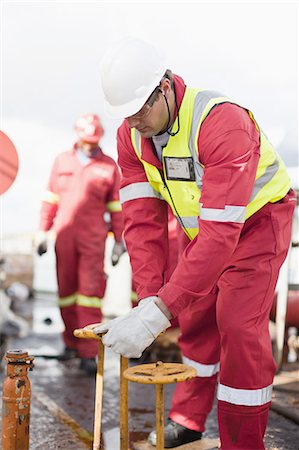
pixel 177 241
pixel 78 197
pixel 223 286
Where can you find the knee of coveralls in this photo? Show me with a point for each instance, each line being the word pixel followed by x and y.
pixel 91 275
pixel 66 262
pixel 199 338
pixel 242 427
pixel 70 319
pixel 200 343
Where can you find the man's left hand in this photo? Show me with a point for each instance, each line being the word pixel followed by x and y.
pixel 131 334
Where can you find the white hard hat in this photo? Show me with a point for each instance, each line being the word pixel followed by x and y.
pixel 130 70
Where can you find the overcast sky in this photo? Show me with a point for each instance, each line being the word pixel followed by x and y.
pixel 51 51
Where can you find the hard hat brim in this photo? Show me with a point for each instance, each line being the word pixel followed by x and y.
pixel 130 108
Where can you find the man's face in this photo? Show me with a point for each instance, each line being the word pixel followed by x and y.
pixel 88 147
pixel 152 117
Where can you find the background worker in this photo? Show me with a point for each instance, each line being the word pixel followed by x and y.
pixel 167 348
pixel 83 186
pixel 174 238
pixel 206 157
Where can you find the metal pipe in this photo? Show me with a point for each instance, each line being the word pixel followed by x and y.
pixel 160 416
pixel 98 398
pixel 124 416
pixel 16 401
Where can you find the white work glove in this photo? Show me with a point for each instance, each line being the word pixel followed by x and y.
pixel 118 249
pixel 131 334
pixel 41 243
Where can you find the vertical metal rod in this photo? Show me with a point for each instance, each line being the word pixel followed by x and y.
pixel 124 416
pixel 160 416
pixel 98 398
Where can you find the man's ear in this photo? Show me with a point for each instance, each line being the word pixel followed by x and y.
pixel 165 87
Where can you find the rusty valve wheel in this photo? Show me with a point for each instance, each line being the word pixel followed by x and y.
pixel 159 373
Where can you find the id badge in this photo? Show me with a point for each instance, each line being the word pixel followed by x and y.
pixel 180 169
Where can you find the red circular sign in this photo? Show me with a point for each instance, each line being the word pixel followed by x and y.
pixel 9 163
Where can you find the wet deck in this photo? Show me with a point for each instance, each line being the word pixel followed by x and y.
pixel 62 403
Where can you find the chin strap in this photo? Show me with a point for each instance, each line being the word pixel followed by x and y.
pixel 168 110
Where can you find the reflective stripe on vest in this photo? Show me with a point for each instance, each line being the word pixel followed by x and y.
pixel 271 184
pixel 246 397
pixel 203 370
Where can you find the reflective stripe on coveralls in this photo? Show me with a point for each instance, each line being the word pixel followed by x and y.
pixel 50 197
pixel 228 214
pixel 91 302
pixel 67 301
pixel 203 370
pixel 113 206
pixel 79 299
pixel 138 190
pixel 134 298
pixel 271 185
pixel 248 397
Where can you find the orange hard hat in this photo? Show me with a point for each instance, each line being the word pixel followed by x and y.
pixel 89 128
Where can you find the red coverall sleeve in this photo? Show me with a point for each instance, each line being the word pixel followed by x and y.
pixel 145 223
pixel 229 148
pixel 115 212
pixel 50 200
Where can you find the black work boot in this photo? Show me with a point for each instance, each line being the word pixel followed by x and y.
pixel 89 365
pixel 175 435
pixel 68 353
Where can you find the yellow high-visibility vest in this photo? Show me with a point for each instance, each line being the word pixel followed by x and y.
pixel 271 184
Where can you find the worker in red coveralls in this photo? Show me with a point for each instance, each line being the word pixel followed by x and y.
pixel 204 155
pixel 83 186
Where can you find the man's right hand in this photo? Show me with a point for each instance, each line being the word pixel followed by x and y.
pixel 41 243
pixel 131 334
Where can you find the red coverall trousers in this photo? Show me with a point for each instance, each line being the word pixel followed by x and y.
pixel 80 270
pixel 227 332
